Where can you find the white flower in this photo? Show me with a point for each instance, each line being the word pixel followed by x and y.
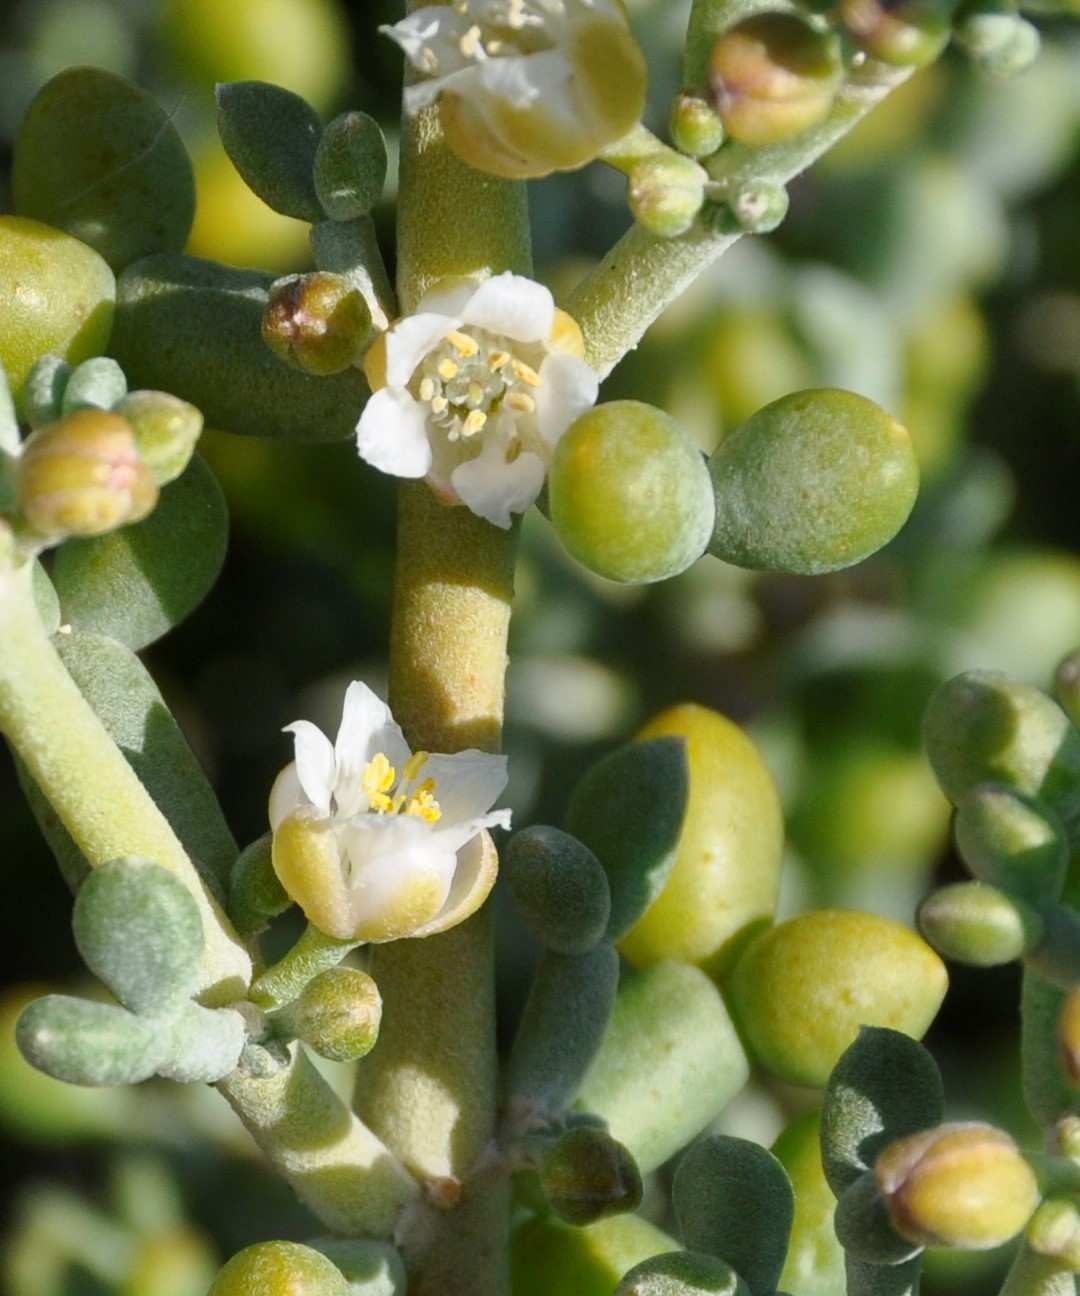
pixel 375 842
pixel 474 391
pixel 527 86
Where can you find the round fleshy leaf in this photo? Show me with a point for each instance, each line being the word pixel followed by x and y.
pixel 816 481
pixel 271 136
pixel 559 887
pixel 194 328
pixel 629 810
pixel 138 929
pixel 137 583
pixel 98 157
pixel 682 1273
pixel 205 1045
pixel 350 166
pixel 89 1043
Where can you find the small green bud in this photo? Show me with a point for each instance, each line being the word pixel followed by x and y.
pixel 1054 1231
pixel 979 925
pixel 962 1185
pixel 98 383
pixel 279 1269
pixel 559 887
pixel 166 429
pixel 319 323
pixel 757 207
pixel 82 476
pixel 998 40
pixel 587 1176
pixel 773 76
pixel 695 125
pixel 666 192
pixel 44 390
pixel 905 33
pixel 350 166
pixel 338 1014
pixel 1012 841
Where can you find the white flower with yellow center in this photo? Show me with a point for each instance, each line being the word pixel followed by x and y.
pixel 375 842
pixel 473 392
pixel 526 87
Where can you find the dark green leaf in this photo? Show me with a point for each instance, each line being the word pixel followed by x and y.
pixel 272 136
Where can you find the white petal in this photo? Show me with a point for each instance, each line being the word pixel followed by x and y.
pixel 545 78
pixel 459 835
pixel 387 851
pixel 448 297
pixel 435 28
pixel 286 795
pixel 467 783
pixel 568 387
pixel 367 728
pixel 314 763
pixel 493 488
pixel 410 340
pixel 513 307
pixel 392 434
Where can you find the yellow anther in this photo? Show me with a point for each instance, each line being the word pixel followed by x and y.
pixel 463 344
pixel 439 404
pixel 474 423
pixel 379 775
pixel 476 392
pixel 427 388
pixel 521 403
pixel 429 60
pixel 524 373
pixel 447 369
pixel 415 764
pixel 499 360
pixel 469 44
pixel 423 804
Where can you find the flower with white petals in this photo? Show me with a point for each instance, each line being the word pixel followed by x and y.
pixel 473 392
pixel 526 87
pixel 376 842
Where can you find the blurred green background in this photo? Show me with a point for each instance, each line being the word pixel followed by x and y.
pixel 931 263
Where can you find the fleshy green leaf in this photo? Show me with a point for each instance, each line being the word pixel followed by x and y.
pixel 89 1043
pixel 734 1201
pixel 138 929
pixel 137 583
pixel 98 157
pixel 194 328
pixel 628 810
pixel 350 166
pixel 559 887
pixel 372 1268
pixel 682 1273
pixel 587 1175
pixel 272 135
pixel 205 1045
pixel 255 894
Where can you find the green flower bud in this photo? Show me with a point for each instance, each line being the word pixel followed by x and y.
pixel 588 1176
pixel 83 476
pixel 279 1269
pixel 665 192
pixel 908 33
pixel 755 208
pixel 998 40
pixel 338 1014
pixel 802 990
pixel 166 429
pixel 44 390
pixel 559 887
pixel 98 383
pixel 350 166
pixel 695 125
pixel 773 76
pixel 1013 842
pixel 963 1185
pixel 980 925
pixel 1054 1231
pixel 319 323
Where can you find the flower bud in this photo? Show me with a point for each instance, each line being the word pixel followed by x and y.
pixel 319 323
pixel 962 1185
pixel 1054 1231
pixel 910 33
pixel 587 1176
pixel 338 1014
pixel 666 191
pixel 695 125
pixel 82 476
pixel 979 925
pixel 757 207
pixel 166 429
pixel 773 76
pixel 998 40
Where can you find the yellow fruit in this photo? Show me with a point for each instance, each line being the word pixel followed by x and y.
pixel 727 865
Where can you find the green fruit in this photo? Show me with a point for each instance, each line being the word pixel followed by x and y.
pixel 56 297
pixel 279 1269
pixel 100 158
pixel 802 990
pixel 727 864
pixel 816 481
pixel 629 493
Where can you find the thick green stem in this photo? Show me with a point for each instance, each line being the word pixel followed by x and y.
pixel 94 791
pixel 642 274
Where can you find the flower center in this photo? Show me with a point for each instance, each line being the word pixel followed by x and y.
pixel 497 28
pixel 469 377
pixel 409 795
